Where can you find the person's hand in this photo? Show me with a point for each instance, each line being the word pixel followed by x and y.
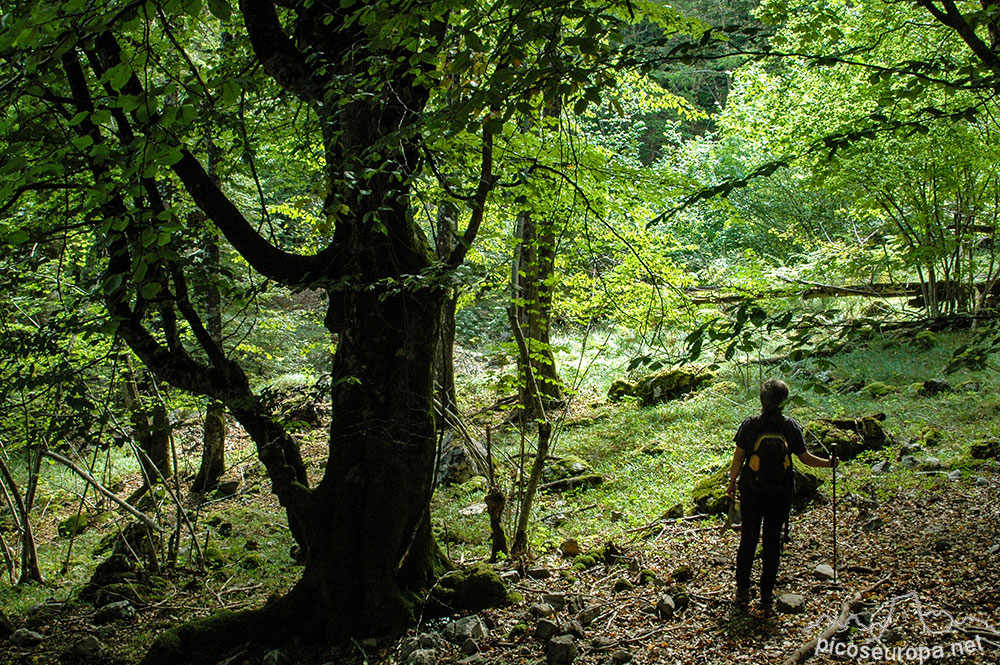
pixel 731 490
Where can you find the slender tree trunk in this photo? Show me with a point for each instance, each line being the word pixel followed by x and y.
pixel 531 280
pixel 150 431
pixel 30 572
pixel 446 396
pixel 213 449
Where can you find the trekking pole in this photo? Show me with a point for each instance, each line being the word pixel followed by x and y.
pixel 833 468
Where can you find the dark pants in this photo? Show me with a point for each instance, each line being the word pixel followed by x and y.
pixel 767 514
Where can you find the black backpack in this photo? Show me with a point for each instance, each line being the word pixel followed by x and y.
pixel 768 466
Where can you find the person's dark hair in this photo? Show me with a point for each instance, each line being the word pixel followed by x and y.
pixel 772 393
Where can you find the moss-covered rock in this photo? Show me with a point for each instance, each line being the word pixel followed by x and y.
pixel 653 449
pixel 851 437
pixel 671 384
pixel 931 437
pixel 932 387
pixel 985 449
pixel 558 468
pixel 620 389
pixel 648 577
pixel 214 556
pixel 925 339
pixel 517 631
pixel 606 554
pixel 709 495
pixel 680 595
pixel 622 585
pixel 807 479
pixel 73 525
pixel 877 389
pixel 682 573
pixel 469 590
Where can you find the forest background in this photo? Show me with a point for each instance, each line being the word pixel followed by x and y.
pixel 265 266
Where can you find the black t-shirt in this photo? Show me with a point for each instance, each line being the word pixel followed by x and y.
pixel 754 426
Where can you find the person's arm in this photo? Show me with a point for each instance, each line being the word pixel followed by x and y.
pixel 734 471
pixel 811 460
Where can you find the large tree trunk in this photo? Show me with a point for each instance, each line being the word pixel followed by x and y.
pixel 369 533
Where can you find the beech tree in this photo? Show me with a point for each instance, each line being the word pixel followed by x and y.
pixel 132 126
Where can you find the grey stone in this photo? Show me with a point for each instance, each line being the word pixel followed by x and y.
pixel 115 611
pixel 873 525
pixel 456 463
pixel 982 482
pixel 932 464
pixel 472 660
pixel 423 657
pixel 666 606
pixel 908 462
pixel 824 572
pixel 556 600
pixel 545 629
pixel 464 628
pixel 881 467
pixel 469 647
pixel 542 610
pixel 588 614
pixel 88 647
pixel 408 646
pixel 561 650
pixel 790 603
pixel 43 612
pixel 649 608
pixel 574 628
pixel 955 475
pixel 510 576
pixel 23 637
pixel 623 585
pixel 621 657
pixel 603 642
pixel 431 641
pixel 538 573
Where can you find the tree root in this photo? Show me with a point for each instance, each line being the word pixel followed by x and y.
pixel 208 640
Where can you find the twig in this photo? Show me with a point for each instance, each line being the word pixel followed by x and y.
pixel 142 517
pixel 651 632
pixel 656 523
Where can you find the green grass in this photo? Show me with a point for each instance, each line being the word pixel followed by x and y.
pixel 695 433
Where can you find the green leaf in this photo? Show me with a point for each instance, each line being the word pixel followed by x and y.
pixel 220 9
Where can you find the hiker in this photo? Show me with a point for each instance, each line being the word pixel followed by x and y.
pixel 762 465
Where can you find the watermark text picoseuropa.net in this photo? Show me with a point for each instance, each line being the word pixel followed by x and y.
pixel 899 654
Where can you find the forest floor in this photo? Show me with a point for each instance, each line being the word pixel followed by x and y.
pixel 927 556
pixel 920 558
pixel 921 545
